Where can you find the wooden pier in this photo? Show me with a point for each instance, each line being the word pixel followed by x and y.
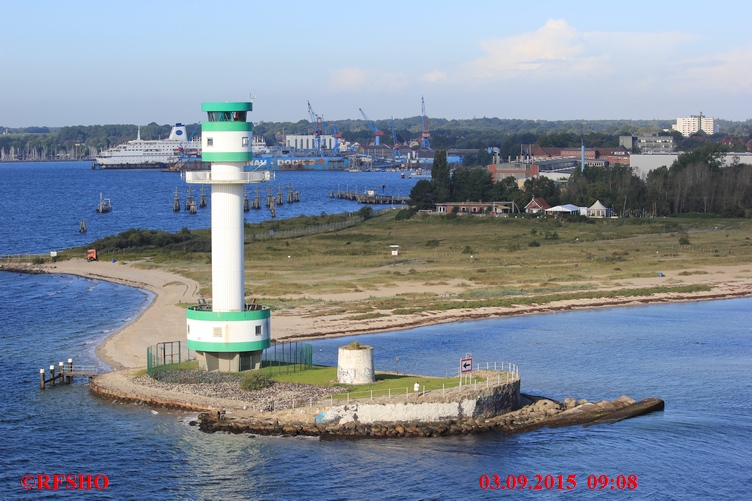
pixel 65 373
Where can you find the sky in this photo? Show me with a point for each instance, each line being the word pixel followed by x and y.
pixel 80 62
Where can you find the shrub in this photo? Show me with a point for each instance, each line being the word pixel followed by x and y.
pixel 404 214
pixel 684 240
pixel 254 380
pixel 534 243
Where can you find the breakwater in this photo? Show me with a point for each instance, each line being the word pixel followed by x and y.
pixel 492 407
pixel 537 412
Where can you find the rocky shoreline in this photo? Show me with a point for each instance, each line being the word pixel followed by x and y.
pixel 225 408
pixel 537 412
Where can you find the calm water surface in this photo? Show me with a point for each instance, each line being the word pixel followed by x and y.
pixel 696 356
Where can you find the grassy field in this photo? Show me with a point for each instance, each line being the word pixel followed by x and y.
pixel 450 262
pixel 484 260
pixel 394 384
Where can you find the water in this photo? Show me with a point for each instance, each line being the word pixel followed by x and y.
pixel 43 203
pixel 696 356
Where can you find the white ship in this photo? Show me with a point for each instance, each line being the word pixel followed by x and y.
pixel 154 154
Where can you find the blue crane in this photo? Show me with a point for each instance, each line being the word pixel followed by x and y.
pixel 318 127
pixel 376 132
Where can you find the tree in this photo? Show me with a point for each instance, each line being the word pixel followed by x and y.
pixel 472 184
pixel 421 196
pixel 542 187
pixel 441 178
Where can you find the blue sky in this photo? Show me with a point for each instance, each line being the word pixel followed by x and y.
pixel 83 62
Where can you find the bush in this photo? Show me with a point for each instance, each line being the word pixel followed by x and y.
pixel 534 243
pixel 404 214
pixel 254 380
pixel 684 241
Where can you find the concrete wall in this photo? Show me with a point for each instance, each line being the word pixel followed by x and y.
pixel 468 403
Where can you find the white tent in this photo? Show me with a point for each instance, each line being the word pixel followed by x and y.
pixel 597 210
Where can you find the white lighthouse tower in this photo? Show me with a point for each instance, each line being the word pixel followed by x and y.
pixel 228 335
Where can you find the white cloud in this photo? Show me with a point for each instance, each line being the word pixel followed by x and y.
pixel 728 71
pixel 559 51
pixel 353 79
pixel 434 76
pixel 551 49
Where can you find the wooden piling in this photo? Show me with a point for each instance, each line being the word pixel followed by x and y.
pixel 52 375
pixel 41 379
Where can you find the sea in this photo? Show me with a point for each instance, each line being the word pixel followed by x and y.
pixel 696 356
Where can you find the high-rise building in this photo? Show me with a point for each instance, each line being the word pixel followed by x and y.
pixel 695 123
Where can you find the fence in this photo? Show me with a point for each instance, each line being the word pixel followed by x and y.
pixel 508 374
pixel 173 362
pixel 283 358
pixel 314 229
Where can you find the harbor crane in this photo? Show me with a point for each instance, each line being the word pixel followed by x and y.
pixel 395 147
pixel 376 132
pixel 318 127
pixel 425 141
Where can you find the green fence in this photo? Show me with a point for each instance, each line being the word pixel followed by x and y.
pixel 283 358
pixel 171 361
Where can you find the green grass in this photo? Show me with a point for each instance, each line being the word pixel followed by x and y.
pixel 327 376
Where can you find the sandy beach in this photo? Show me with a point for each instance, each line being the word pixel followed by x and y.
pixel 164 319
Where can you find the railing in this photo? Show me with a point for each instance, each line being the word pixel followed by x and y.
pixel 245 177
pixel 404 394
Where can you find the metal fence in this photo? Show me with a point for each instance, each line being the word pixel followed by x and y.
pixel 494 376
pixel 171 361
pixel 314 229
pixel 283 358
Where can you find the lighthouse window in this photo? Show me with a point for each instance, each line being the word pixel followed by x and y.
pixel 227 116
pixel 258 330
pixel 245 142
pixel 209 141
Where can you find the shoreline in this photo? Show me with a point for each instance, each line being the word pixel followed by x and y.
pixel 164 320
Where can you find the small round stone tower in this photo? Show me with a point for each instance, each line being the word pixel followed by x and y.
pixel 355 364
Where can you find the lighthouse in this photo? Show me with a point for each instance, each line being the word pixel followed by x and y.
pixel 228 334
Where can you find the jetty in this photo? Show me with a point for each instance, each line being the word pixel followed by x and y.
pixel 369 197
pixel 65 373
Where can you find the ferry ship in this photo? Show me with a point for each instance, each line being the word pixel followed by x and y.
pixel 153 154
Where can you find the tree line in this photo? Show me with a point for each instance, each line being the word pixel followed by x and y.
pixel 473 134
pixel 696 182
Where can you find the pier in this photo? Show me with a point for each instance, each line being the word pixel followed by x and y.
pixel 65 373
pixel 369 197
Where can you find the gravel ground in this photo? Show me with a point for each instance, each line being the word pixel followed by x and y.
pixel 223 392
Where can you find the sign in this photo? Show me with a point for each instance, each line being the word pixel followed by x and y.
pixel 466 365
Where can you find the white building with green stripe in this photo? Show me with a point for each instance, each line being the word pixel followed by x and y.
pixel 228 334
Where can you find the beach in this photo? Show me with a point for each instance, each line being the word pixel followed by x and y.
pixel 164 319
